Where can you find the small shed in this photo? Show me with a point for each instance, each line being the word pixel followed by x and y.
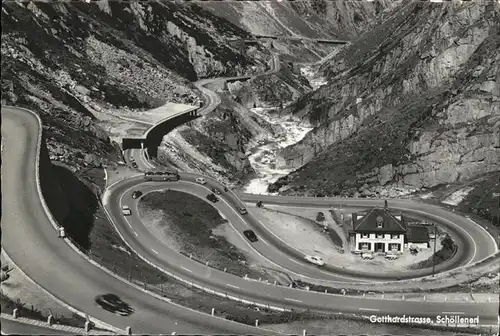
pixel 417 235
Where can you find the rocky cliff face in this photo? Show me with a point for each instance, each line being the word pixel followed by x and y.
pixel 315 18
pixel 217 145
pixel 413 103
pixel 72 61
pixel 274 90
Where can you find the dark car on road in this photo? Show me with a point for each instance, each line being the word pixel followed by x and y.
pixel 212 198
pixel 114 304
pixel 136 194
pixel 216 191
pixel 250 235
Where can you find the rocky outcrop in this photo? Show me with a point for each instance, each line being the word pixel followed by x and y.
pixel 217 145
pixel 77 63
pixel 274 90
pixel 315 18
pixel 413 103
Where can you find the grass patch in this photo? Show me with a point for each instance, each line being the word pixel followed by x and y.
pixel 191 223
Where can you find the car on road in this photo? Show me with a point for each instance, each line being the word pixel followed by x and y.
pixel 391 256
pixel 136 194
pixel 216 191
pixel 201 180
pixel 126 210
pixel 250 235
pixel 212 198
pixel 367 256
pixel 242 211
pixel 114 304
pixel 315 260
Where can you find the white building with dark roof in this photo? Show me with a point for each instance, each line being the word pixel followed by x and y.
pixel 379 230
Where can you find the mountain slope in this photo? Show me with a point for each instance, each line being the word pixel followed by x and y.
pixel 75 62
pixel 413 103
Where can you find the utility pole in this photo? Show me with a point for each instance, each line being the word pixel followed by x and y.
pixel 434 255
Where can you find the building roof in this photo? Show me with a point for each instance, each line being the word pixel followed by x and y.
pixel 417 234
pixel 367 222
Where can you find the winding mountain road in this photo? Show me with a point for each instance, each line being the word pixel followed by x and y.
pixel 31 242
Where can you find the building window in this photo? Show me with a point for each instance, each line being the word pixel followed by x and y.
pixel 394 247
pixel 365 235
pixel 394 236
pixel 380 235
pixel 365 246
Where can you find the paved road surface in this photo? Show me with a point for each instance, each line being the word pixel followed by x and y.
pixel 10 327
pixel 51 263
pixel 149 247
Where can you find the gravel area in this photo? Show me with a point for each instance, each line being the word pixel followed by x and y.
pixel 300 234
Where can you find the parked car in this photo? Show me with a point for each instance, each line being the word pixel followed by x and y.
pixel 391 256
pixel 136 194
pixel 242 211
pixel 201 180
pixel 126 210
pixel 216 191
pixel 367 256
pixel 212 198
pixel 315 260
pixel 250 235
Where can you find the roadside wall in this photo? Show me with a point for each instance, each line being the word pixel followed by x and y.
pixel 155 136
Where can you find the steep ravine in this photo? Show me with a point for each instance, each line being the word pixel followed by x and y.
pixel 411 104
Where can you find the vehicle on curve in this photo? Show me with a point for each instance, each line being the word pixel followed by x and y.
pixel 134 165
pixel 114 304
pixel 259 204
pixel 315 260
pixel 216 191
pixel 250 235
pixel 212 198
pixel 242 211
pixel 164 175
pixel 200 180
pixel 126 210
pixel 136 194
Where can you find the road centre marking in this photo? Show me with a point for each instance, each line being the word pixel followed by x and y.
pixel 154 251
pixel 233 286
pixel 136 234
pixel 292 300
pixel 186 269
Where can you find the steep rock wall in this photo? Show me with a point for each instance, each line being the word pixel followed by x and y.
pixel 414 103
